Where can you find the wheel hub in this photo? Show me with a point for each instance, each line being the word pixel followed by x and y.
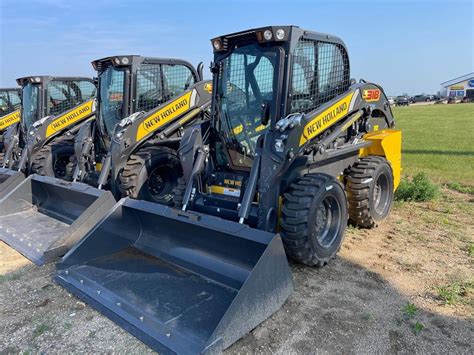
pixel 381 194
pixel 327 221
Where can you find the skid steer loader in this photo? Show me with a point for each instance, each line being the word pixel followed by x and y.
pixel 293 149
pixel 143 105
pixel 41 139
pixel 9 112
pixel 10 104
pixel 37 217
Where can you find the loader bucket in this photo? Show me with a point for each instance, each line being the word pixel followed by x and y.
pixel 43 217
pixel 8 180
pixel 183 283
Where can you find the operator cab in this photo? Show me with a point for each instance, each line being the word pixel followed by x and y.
pixel 261 76
pixel 131 83
pixel 9 101
pixel 46 95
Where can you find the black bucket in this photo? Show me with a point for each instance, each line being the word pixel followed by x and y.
pixel 43 217
pixel 181 282
pixel 9 179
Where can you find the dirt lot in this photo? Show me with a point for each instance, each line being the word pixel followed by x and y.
pixel 406 286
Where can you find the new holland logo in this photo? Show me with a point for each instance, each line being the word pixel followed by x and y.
pixel 326 119
pixel 9 119
pixel 165 115
pixel 72 116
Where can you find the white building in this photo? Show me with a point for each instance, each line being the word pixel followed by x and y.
pixel 459 87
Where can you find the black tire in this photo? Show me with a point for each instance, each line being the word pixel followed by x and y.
pixel 151 174
pixel 369 188
pixel 178 193
pixel 314 219
pixel 53 159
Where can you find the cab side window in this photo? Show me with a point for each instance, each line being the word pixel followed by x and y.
pixel 149 87
pixel 177 79
pixel 158 83
pixel 320 72
pixel 64 95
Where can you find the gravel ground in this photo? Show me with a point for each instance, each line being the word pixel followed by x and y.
pixel 382 294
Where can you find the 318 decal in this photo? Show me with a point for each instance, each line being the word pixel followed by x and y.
pixel 371 95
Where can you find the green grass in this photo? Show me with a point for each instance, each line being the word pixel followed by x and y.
pixel 418 189
pixel 453 293
pixel 438 140
pixel 41 329
pixel 417 328
pixel 9 277
pixel 410 310
pixel 456 186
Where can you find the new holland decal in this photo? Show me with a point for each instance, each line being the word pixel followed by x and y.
pixel 371 95
pixel 326 119
pixel 77 114
pixel 9 119
pixel 157 119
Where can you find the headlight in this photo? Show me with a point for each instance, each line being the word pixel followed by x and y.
pixel 125 61
pixel 37 79
pixel 268 35
pixel 116 61
pixel 280 34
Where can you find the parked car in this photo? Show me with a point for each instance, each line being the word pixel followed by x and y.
pixel 402 101
pixel 422 98
pixel 391 100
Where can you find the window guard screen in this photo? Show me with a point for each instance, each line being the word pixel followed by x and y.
pixel 320 72
pixel 9 101
pixel 158 83
pixel 64 95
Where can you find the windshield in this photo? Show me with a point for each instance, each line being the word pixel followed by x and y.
pixel 29 108
pixel 9 101
pixel 248 79
pixel 112 84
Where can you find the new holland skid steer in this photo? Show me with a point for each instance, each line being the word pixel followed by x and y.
pixel 36 217
pixel 293 149
pixel 10 103
pixel 40 140
pixel 143 105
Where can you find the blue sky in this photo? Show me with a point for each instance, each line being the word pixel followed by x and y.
pixel 406 46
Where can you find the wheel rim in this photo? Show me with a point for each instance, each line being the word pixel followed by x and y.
pixel 381 194
pixel 328 221
pixel 161 182
pixel 60 165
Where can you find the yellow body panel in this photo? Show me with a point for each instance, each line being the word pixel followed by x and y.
pixel 168 113
pixel 9 119
pixel 326 119
pixel 386 143
pixel 72 116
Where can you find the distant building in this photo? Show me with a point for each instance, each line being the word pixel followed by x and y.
pixel 459 87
